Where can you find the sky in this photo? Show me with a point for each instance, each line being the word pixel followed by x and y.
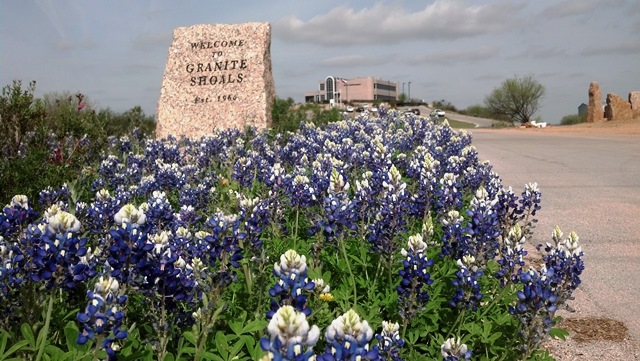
pixel 455 50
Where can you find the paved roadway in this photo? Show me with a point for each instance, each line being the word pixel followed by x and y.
pixel 479 122
pixel 590 184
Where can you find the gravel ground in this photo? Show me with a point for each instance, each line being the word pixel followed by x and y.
pixel 598 195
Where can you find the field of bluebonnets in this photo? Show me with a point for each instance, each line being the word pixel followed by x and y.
pixel 374 238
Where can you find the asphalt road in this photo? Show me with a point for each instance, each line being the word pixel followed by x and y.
pixel 479 122
pixel 590 184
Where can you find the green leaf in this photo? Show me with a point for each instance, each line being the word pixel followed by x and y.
pixel 250 342
pixel 169 357
pixel 189 336
pixel 3 341
pixel 16 347
pixel 27 334
pixel 254 326
pixel 221 345
pixel 559 333
pixel 494 337
pixel 211 356
pixel 54 352
pixel 235 349
pixel 71 335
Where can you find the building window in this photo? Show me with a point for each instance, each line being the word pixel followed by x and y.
pixel 330 86
pixel 321 87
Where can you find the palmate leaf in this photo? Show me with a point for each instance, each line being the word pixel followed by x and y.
pixel 27 334
pixel 559 333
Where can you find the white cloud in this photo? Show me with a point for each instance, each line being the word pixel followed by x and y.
pixel 356 60
pixel 390 24
pixel 624 48
pixel 578 7
pixel 455 56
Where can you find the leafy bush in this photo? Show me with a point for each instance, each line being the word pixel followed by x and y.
pixel 56 137
pixel 287 117
pixel 386 233
pixel 20 114
pixel 444 105
pixel 573 119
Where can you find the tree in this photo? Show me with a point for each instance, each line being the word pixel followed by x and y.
pixel 20 113
pixel 516 99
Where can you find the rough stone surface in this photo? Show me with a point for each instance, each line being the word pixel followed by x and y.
pixel 217 76
pixel 594 108
pixel 634 100
pixel 617 108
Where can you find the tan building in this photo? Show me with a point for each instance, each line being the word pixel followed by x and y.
pixel 356 90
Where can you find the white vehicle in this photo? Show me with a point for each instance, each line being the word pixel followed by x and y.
pixel 350 109
pixel 437 113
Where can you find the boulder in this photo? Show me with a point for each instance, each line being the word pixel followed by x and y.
pixel 218 76
pixel 594 108
pixel 634 100
pixel 617 108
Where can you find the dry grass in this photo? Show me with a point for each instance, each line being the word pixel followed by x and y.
pixel 591 329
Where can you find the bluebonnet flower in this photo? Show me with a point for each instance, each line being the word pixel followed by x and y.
pixel 103 316
pixel 254 215
pixel 529 205
pixel 219 249
pixel 511 256
pixel 244 171
pixel 168 175
pixel 535 308
pixel 412 293
pixel 167 280
pixel 424 168
pixel 338 218
pixel 290 337
pixel 483 229
pixel 186 217
pixel 389 342
pixel 453 234
pixel 128 244
pixel 348 339
pixel 292 285
pixel 448 195
pixel 50 196
pixel 158 211
pixel 364 201
pixel 129 214
pixel 564 263
pixel 467 293
pixel 301 191
pixel 15 216
pixel 99 215
pixel 454 350
pixel 390 218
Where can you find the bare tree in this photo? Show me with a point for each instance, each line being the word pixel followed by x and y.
pixel 516 99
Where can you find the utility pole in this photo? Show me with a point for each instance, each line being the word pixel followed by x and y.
pixel 409 91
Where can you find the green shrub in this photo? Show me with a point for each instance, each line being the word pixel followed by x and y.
pixel 20 114
pixel 573 119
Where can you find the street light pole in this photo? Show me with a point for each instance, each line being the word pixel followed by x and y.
pixel 402 88
pixel 409 91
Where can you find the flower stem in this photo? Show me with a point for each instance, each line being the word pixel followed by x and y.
pixel 346 259
pixel 45 329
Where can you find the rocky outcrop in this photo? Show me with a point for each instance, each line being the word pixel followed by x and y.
pixel 594 108
pixel 617 108
pixel 634 100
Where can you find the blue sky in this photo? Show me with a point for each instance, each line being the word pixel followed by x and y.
pixel 458 50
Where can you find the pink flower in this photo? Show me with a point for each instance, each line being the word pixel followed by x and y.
pixel 81 105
